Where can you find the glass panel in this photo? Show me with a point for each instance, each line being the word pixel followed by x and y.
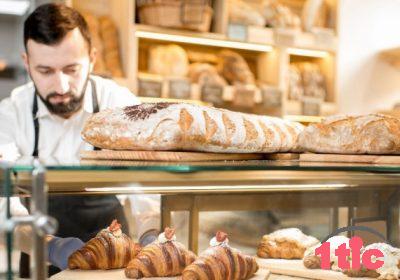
pixel 25 164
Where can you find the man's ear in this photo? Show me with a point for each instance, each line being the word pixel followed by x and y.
pixel 24 56
pixel 92 55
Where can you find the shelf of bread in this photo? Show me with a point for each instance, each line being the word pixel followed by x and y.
pixel 108 22
pixel 309 107
pixel 195 38
pixel 172 100
pixel 322 40
pixel 251 38
pixel 262 99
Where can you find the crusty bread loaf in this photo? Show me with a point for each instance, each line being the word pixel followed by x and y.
pixel 367 134
pixel 288 243
pixel 180 126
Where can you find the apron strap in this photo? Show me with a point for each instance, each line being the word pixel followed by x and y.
pixel 95 103
pixel 35 152
pixel 94 96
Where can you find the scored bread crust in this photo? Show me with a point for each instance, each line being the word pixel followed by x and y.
pixel 367 134
pixel 288 243
pixel 180 126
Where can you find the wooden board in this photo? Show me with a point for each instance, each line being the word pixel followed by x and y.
pixel 165 156
pixel 375 159
pixel 282 156
pixel 297 269
pixel 116 274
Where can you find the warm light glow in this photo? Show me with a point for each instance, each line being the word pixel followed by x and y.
pixel 137 188
pixel 312 53
pixel 203 41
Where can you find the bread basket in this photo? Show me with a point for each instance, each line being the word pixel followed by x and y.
pixel 187 14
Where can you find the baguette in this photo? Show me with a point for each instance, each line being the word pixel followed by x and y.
pixel 189 127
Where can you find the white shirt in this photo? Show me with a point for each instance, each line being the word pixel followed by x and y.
pixel 58 137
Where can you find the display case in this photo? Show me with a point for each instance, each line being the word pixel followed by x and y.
pixel 313 196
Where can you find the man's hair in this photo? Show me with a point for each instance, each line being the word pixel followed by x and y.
pixel 49 24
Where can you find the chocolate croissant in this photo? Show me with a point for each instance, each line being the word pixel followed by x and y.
pixel 164 257
pixel 221 262
pixel 109 249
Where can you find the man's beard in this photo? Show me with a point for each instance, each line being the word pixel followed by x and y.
pixel 64 109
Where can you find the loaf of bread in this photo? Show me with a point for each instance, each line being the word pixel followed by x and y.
pixel 205 74
pixel 180 126
pixel 240 12
pixel 366 134
pixel 169 60
pixel 288 243
pixel 280 16
pixel 109 35
pixel 234 68
pixel 94 27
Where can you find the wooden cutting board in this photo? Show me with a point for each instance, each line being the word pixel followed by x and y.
pixel 164 156
pixel 297 269
pixel 117 274
pixel 375 159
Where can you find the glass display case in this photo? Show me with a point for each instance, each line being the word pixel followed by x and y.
pixel 317 197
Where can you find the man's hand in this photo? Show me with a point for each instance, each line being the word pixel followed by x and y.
pixel 61 248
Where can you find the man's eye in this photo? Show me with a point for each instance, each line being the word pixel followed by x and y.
pixel 45 72
pixel 71 71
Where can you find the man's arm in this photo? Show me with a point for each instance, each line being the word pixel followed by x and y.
pixel 8 125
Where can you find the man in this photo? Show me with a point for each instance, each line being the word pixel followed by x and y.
pixel 45 117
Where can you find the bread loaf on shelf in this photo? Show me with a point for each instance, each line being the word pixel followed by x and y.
pixel 169 60
pixel 366 134
pixel 289 243
pixel 180 126
pixel 234 68
pixel 205 74
pixel 100 67
pixel 109 35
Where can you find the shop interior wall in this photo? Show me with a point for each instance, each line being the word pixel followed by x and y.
pixel 11 47
pixel 365 82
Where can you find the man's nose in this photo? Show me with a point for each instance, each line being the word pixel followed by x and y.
pixel 61 83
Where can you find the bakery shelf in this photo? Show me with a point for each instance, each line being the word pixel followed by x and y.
pixel 294 107
pixel 304 43
pixel 203 39
pixel 172 100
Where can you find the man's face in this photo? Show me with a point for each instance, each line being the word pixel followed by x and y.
pixel 60 72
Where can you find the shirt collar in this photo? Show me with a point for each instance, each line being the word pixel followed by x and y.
pixel 87 103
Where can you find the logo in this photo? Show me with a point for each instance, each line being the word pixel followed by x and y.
pixel 351 258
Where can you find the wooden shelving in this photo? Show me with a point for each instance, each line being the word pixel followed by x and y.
pixel 268 51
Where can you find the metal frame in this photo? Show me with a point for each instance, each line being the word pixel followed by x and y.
pixel 39 221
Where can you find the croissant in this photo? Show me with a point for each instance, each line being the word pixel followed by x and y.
pixel 164 257
pixel 109 249
pixel 221 262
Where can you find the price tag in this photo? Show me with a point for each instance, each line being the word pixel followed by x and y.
pixel 237 32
